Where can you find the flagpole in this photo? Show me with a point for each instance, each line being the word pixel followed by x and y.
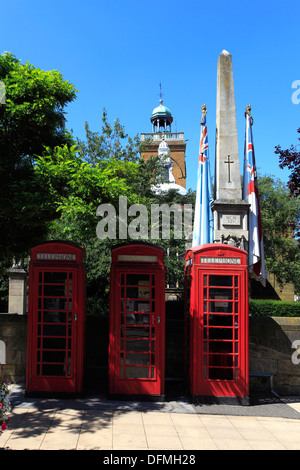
pixel 251 194
pixel 203 219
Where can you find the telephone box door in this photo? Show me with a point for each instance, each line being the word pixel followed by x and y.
pixel 55 329
pixel 223 344
pixel 137 332
pixel 216 283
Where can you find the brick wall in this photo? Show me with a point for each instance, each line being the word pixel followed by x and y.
pixel 177 153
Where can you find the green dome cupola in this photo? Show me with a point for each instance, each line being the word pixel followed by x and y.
pixel 161 118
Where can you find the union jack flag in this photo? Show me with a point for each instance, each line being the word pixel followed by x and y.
pixel 203 220
pixel 250 193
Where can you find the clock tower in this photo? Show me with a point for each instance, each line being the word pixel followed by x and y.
pixel 161 120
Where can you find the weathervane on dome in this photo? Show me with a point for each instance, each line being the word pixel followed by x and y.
pixel 160 93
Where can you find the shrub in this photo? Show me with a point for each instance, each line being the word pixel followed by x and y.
pixel 4 405
pixel 274 308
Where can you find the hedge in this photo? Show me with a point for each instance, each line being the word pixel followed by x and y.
pixel 274 308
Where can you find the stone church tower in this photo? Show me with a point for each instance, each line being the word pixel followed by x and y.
pixel 161 120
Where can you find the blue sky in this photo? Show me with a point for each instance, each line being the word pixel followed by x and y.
pixel 117 52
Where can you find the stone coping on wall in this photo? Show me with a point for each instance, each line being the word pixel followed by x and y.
pixel 12 317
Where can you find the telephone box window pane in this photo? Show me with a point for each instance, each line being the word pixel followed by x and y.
pixel 223 347
pixel 136 279
pixel 54 330
pixel 136 332
pixel 137 359
pixel 55 277
pixel 143 306
pixel 55 291
pixel 221 374
pixel 220 320
pixel 219 360
pixel 54 356
pixel 220 307
pixel 132 292
pixel 141 345
pixel 53 369
pixel 53 316
pixel 220 281
pixel 219 293
pixel 56 304
pixel 221 333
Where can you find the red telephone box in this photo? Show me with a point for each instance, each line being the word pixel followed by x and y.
pixel 137 321
pixel 216 313
pixel 56 319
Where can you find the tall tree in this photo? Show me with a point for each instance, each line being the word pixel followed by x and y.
pixel 32 116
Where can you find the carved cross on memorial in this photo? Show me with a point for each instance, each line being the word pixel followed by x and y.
pixel 228 161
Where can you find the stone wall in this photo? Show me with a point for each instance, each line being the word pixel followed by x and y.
pixel 270 349
pixel 13 350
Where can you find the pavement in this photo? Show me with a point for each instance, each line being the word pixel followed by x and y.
pixel 95 422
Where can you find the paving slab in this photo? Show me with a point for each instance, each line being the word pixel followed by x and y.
pixel 97 423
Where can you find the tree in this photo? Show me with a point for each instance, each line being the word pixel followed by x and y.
pixel 98 171
pixel 31 118
pixel 290 158
pixel 280 218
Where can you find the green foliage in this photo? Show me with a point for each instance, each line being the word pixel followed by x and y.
pixel 100 170
pixel 76 188
pixel 31 118
pixel 274 308
pixel 280 216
